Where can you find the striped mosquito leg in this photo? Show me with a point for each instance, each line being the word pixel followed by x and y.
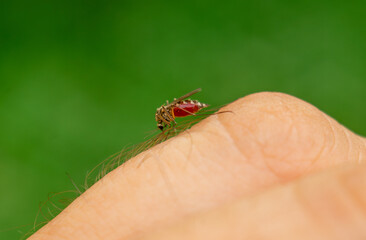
pixel 169 115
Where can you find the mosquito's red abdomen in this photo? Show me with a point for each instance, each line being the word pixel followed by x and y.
pixel 185 109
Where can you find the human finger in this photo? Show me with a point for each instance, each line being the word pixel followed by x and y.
pixel 265 139
pixel 327 205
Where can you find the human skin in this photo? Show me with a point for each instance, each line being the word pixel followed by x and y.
pixel 274 167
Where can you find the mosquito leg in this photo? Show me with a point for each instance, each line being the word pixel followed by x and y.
pixel 191 113
pixel 227 111
pixel 174 124
pixel 168 115
pixel 171 118
pixel 162 119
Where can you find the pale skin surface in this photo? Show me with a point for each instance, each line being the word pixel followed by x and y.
pixel 274 168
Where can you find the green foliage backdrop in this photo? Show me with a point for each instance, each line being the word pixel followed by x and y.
pixel 81 79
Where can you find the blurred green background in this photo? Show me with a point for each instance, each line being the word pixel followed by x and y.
pixel 81 79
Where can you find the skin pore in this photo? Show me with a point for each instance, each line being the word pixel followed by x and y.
pixel 272 168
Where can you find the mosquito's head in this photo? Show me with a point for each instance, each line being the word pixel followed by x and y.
pixel 160 127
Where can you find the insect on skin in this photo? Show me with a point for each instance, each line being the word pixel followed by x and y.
pixel 181 107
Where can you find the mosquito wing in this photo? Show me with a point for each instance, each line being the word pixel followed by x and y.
pixel 186 96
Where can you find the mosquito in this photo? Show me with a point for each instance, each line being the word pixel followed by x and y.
pixel 181 107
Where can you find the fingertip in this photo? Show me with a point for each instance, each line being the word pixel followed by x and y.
pixel 287 135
